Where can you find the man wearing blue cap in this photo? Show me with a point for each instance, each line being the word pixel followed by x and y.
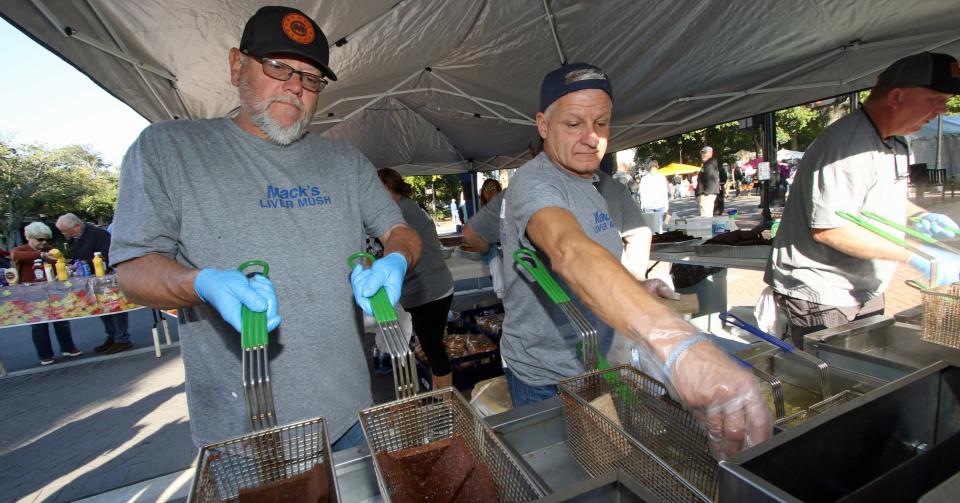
pixel 197 198
pixel 554 208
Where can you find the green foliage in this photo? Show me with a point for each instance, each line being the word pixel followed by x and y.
pixel 42 183
pixel 797 127
pixel 445 187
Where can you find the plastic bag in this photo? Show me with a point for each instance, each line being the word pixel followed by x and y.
pixel 496 273
pixel 770 318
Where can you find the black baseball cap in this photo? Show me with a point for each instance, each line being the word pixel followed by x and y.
pixel 571 78
pixel 285 30
pixel 933 70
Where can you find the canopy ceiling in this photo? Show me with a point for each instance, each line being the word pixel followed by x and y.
pixel 441 86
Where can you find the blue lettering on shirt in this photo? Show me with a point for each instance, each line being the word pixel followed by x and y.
pixel 301 196
pixel 601 222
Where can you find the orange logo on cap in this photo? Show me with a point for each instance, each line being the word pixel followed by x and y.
pixel 298 28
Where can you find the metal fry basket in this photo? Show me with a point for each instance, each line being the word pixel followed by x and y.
pixel 941 315
pixel 438 415
pixel 656 441
pixel 257 459
pixel 818 408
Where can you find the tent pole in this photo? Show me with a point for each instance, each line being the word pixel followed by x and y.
pixel 123 49
pixel 553 32
pixel 939 140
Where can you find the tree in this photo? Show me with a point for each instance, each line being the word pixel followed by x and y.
pixel 43 183
pixel 445 188
pixel 798 126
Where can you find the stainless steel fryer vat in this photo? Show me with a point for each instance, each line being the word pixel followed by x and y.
pixel 878 346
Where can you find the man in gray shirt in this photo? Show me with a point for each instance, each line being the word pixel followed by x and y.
pixel 197 198
pixel 826 271
pixel 553 208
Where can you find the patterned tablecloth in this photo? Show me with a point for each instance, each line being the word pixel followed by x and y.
pixel 77 298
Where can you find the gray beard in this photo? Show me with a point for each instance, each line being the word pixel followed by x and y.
pixel 266 123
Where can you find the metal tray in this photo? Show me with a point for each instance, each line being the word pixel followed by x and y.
pixel 730 251
pixel 437 415
pixel 656 441
pixel 877 346
pixel 614 486
pixel 253 460
pixel 676 246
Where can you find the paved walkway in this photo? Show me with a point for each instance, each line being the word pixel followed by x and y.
pixel 74 431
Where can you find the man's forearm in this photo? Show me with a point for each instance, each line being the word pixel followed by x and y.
pixel 860 243
pixel 157 281
pixel 602 284
pixel 404 240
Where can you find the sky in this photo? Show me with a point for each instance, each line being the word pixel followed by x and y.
pixel 45 100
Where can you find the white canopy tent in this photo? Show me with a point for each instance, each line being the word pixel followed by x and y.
pixel 442 86
pixel 924 145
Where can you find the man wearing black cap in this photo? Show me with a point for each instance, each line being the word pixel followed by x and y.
pixel 826 271
pixel 197 198
pixel 554 208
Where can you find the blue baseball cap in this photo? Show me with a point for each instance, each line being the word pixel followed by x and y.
pixel 571 78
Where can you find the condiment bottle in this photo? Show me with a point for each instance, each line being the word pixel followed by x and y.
pixel 62 273
pixel 99 268
pixel 38 270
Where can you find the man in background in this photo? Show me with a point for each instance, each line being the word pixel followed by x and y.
pixel 708 182
pixel 86 240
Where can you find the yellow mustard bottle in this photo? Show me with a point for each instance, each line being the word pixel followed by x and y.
pixel 99 268
pixel 61 266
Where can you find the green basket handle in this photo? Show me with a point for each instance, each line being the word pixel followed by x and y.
pixel 872 228
pixel 382 308
pixel 900 227
pixel 528 259
pixel 253 325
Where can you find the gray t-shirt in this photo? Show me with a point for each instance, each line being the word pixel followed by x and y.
pixel 486 221
pixel 208 194
pixel 430 279
pixel 848 168
pixel 624 210
pixel 538 343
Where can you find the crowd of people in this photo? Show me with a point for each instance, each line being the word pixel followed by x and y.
pixel 199 197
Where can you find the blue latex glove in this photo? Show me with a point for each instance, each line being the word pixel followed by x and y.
pixel 227 290
pixel 936 224
pixel 948 264
pixel 387 272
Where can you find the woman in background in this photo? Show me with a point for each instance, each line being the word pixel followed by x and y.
pixel 489 189
pixel 428 288
pixel 38 236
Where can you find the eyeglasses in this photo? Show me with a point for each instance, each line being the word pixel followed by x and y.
pixel 42 239
pixel 281 71
pixel 490 189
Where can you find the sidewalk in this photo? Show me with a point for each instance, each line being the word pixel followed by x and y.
pixel 74 431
